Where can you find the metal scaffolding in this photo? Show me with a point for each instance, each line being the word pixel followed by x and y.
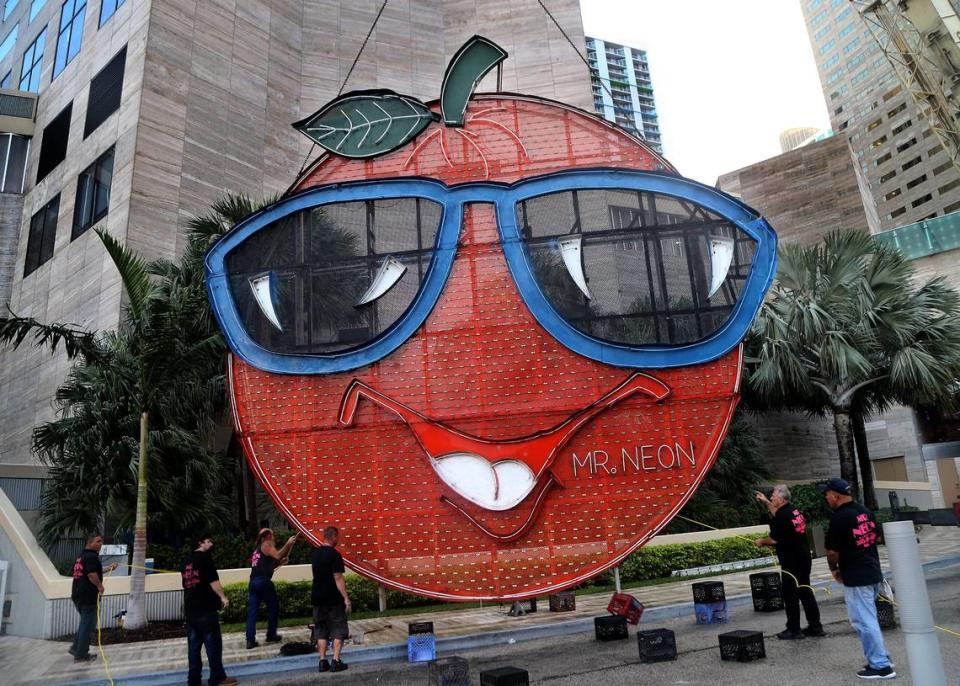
pixel 927 71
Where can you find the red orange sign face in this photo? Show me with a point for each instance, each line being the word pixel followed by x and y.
pixel 483 457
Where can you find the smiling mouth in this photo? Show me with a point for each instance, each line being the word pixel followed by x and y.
pixel 496 475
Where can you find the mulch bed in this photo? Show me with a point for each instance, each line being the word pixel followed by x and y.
pixel 152 632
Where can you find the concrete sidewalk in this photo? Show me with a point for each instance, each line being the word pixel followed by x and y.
pixel 26 661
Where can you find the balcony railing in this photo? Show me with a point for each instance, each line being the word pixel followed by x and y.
pixel 927 237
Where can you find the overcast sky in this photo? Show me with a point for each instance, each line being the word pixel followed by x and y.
pixel 728 75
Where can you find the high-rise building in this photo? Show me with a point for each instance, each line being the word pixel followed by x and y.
pixel 791 139
pixel 622 89
pixel 907 174
pixel 149 110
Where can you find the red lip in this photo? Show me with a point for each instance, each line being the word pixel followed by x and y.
pixel 537 451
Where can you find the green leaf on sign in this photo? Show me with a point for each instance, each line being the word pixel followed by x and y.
pixel 366 123
pixel 471 63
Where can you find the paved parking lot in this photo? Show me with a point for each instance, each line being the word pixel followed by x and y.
pixel 579 659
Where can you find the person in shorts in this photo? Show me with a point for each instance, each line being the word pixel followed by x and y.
pixel 330 600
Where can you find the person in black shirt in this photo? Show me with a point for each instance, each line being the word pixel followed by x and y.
pixel 265 559
pixel 853 558
pixel 86 592
pixel 330 600
pixel 788 534
pixel 203 596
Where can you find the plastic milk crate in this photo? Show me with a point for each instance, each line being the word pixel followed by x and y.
pixel 627 606
pixel 766 591
pixel 742 646
pixel 419 628
pixel 886 617
pixel 657 645
pixel 505 676
pixel 564 601
pixel 421 648
pixel 448 671
pixel 711 613
pixel 610 628
pixel 708 592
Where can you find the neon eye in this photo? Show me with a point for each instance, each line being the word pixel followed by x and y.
pixel 635 267
pixel 333 277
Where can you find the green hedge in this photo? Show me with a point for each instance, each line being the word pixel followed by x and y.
pixel 660 561
pixel 653 562
pixel 294 598
pixel 229 551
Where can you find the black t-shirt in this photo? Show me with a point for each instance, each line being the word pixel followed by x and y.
pixel 261 565
pixel 853 534
pixel 326 562
pixel 788 529
pixel 198 572
pixel 84 591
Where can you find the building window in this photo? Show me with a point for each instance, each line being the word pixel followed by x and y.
pixel 843 15
pixel 846 31
pixel 70 36
pixel 105 90
pixel 913 183
pixel 43 236
pixel 951 208
pixel 851 46
pixel 830 62
pixel 107 8
pixel 872 125
pixel 32 64
pixel 15 150
pixel 856 61
pixel 8 8
pixel 7 45
pixel 921 200
pixel 909 144
pixel 821 33
pixel 903 127
pixel 897 110
pixel 942 168
pixel 889 175
pixel 892 194
pixel 880 141
pixel 943 190
pixel 860 77
pixel 93 194
pixel 53 146
pixel 827 47
pixel 886 157
pixel 899 212
pixel 7 80
pixel 912 163
pixel 35 8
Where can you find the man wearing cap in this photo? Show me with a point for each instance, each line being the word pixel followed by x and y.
pixel 853 558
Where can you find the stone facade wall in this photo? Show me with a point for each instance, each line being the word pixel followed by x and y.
pixel 210 90
pixel 803 193
pixel 11 210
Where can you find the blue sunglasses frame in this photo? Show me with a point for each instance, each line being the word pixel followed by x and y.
pixel 505 197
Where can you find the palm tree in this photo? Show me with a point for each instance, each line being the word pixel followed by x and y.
pixel 845 331
pixel 165 363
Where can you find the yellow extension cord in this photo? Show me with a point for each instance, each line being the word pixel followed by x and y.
pixel 797 583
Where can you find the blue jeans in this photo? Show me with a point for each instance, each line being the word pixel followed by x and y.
pixel 204 631
pixel 862 610
pixel 88 622
pixel 261 590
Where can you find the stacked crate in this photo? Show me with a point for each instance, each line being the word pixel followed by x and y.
pixel 765 588
pixel 710 602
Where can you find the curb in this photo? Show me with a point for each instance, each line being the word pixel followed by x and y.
pixel 395 651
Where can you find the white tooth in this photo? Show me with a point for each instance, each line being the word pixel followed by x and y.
pixel 721 257
pixel 493 487
pixel 263 291
pixel 387 276
pixel 570 249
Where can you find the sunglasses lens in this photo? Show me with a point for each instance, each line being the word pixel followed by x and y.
pixel 634 267
pixel 334 277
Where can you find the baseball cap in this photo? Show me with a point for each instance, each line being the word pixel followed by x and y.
pixel 834 484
